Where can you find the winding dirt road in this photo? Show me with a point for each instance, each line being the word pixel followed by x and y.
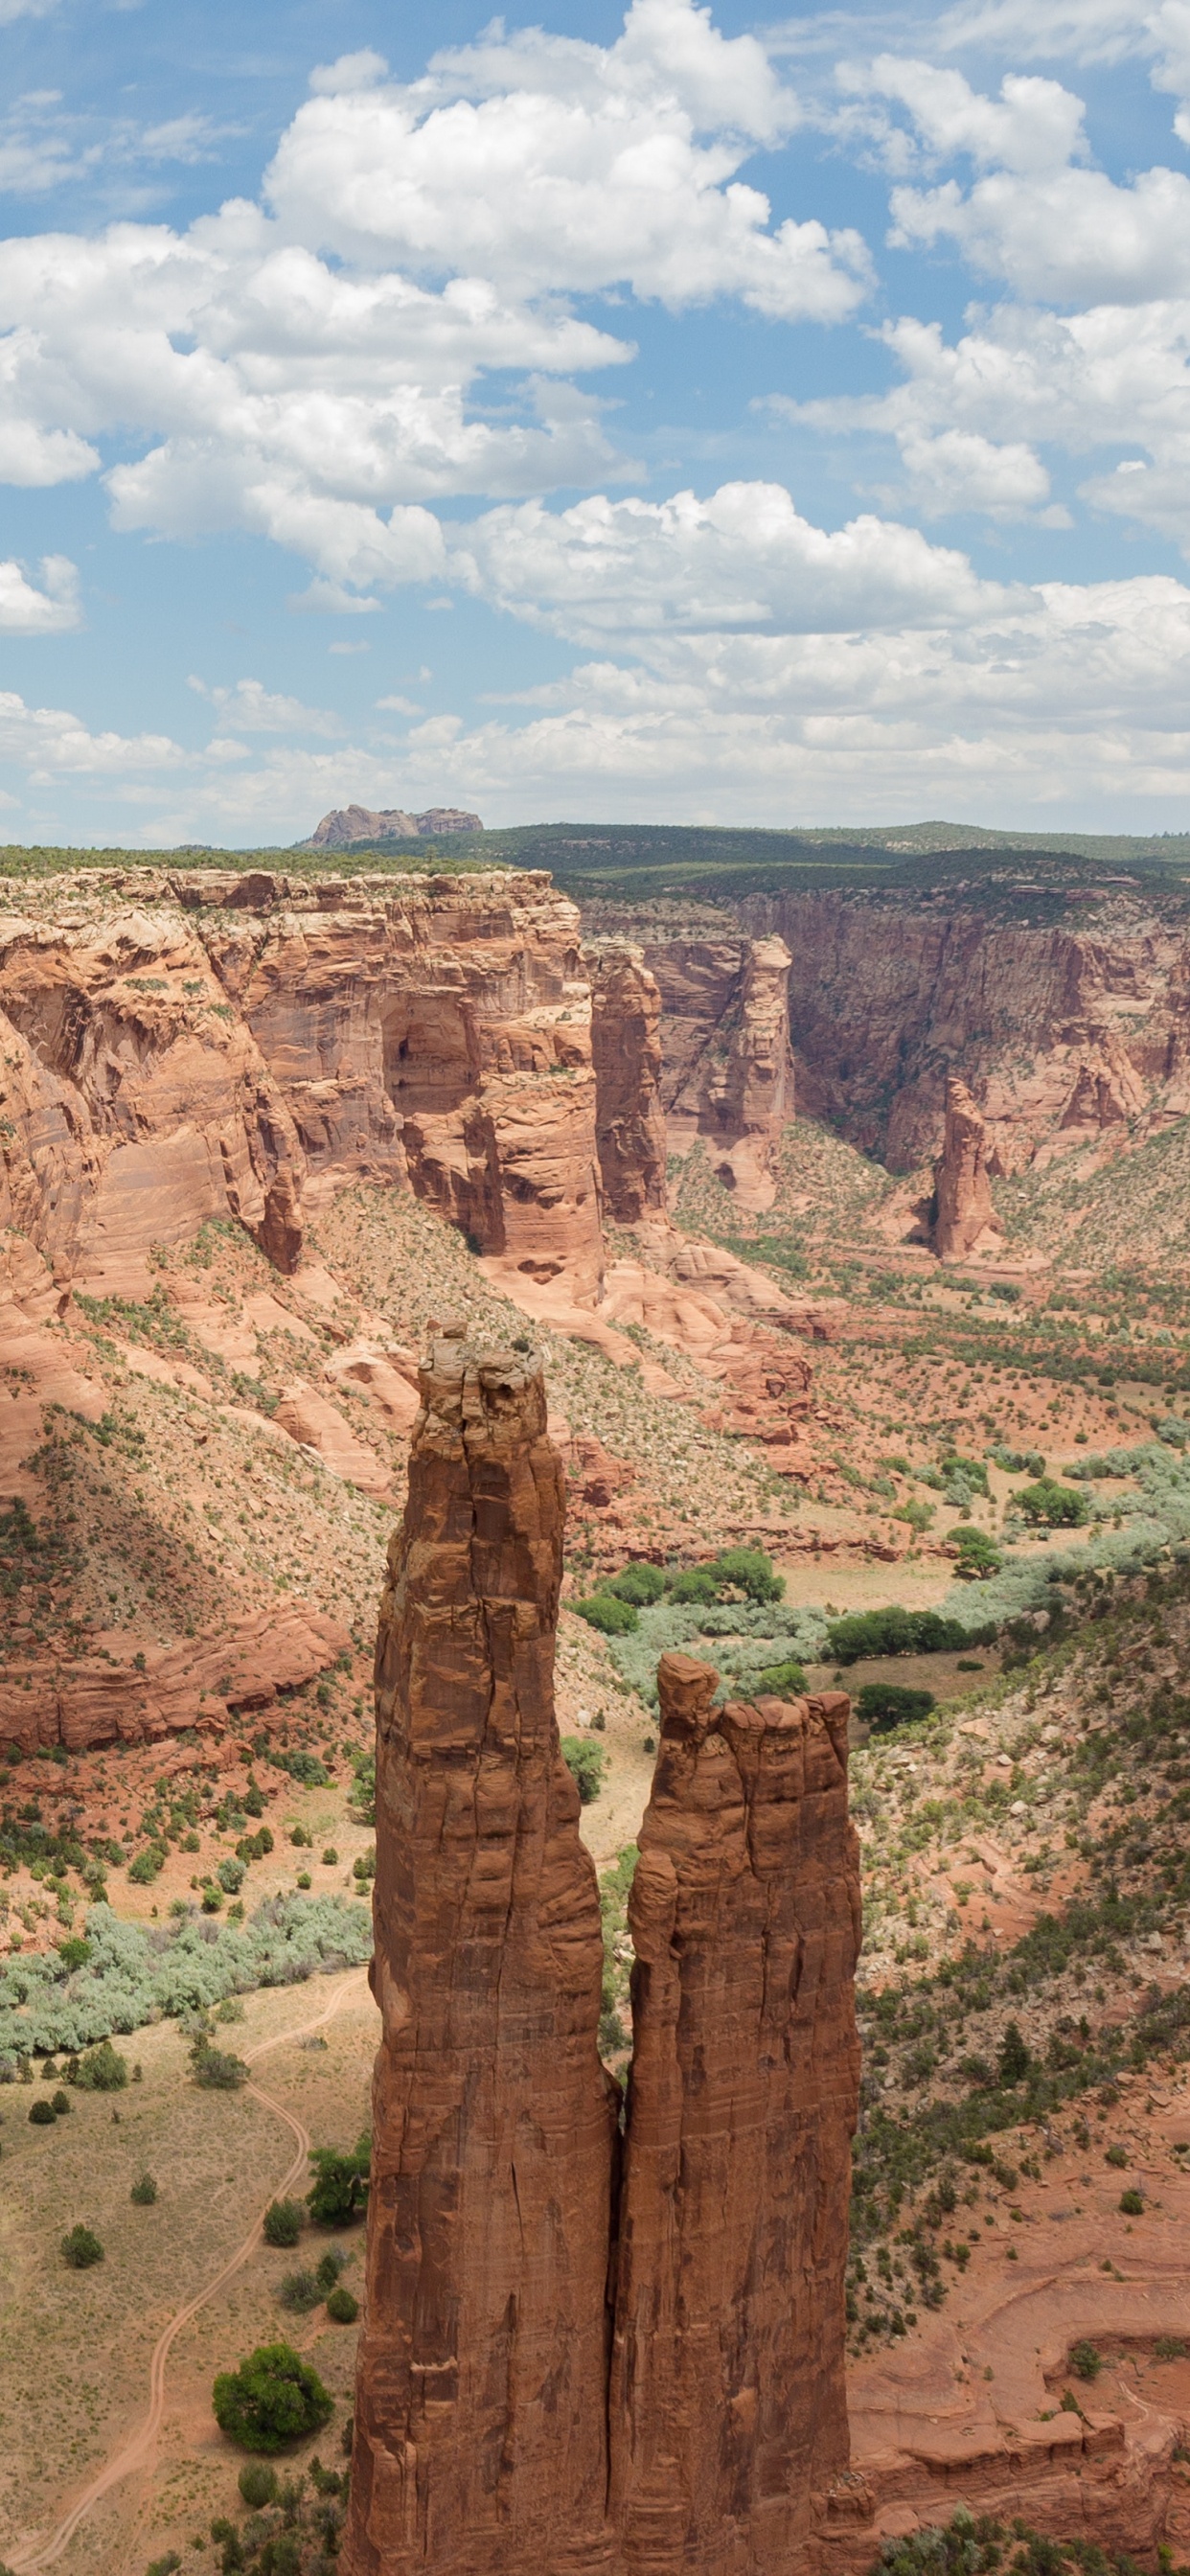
pixel 137 2452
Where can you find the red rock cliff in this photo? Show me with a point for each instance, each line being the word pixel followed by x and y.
pixel 728 1065
pixel 183 1047
pixel 481 2419
pixel 964 1192
pixel 1066 1033
pixel 629 1118
pixel 728 2411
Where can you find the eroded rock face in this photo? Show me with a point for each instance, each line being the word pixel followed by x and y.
pixel 729 1066
pixel 728 2412
pixel 629 1118
pixel 964 1191
pixel 213 1045
pixel 481 2426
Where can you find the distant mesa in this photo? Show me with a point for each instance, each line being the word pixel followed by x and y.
pixel 353 823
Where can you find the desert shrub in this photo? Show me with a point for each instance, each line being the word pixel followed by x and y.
pixel 144 2192
pixel 1050 1505
pixel 81 2248
pixel 59 2104
pixel 274 2398
pixel 1116 2156
pixel 364 1866
pixel 1169 2348
pixel 330 2265
pixel 1085 2361
pixel 300 2292
pixel 639 1583
pixel 884 1704
pixel 330 1856
pixel 167 2566
pixel 255 1846
pixel 584 1761
pixel 230 1875
pixel 342 2306
pixel 340 2183
pixel 41 2114
pixel 147 1866
pixel 606 1612
pixel 778 1681
pixel 258 2484
pixel 1132 2204
pixel 283 2222
pixel 137 1972
pixel 74 1952
pixel 302 1766
pixel 216 2068
pixel 1018 1462
pixel 102 2070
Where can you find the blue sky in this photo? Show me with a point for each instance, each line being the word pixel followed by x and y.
pixel 679 415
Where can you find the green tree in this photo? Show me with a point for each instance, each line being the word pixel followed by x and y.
pixel 881 1705
pixel 81 2248
pixel 340 2183
pixel 101 2069
pixel 273 2399
pixel 612 1617
pixel 979 1556
pixel 584 1761
pixel 1050 1505
pixel 639 1583
pixel 1013 2062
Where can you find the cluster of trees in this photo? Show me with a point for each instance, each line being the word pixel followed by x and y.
pixel 131 1972
pixel 737 1573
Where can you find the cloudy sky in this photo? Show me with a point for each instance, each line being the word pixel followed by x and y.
pixel 682 415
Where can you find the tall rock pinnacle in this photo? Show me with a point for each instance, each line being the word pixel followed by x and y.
pixel 507 2422
pixel 481 2421
pixel 728 2412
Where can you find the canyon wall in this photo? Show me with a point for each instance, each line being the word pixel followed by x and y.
pixel 728 2406
pixel 481 2416
pixel 500 2424
pixel 629 1117
pixel 1063 1035
pixel 179 1047
pixel 727 1069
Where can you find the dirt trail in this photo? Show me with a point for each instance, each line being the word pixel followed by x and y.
pixel 137 2451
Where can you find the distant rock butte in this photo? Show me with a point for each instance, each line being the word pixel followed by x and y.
pixel 352 823
pixel 540 2383
pixel 964 1192
pixel 180 1047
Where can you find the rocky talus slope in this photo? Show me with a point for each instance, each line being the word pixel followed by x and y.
pixel 498 2427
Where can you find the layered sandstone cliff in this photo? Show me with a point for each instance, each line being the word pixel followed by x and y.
pixel 498 2425
pixel 481 2429
pixel 629 1118
pixel 963 1190
pixel 728 1066
pixel 175 1048
pixel 1067 1036
pixel 728 2409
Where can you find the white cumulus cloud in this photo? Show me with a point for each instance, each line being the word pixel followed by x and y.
pixel 52 610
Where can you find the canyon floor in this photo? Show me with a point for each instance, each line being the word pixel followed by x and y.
pixel 202 1480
